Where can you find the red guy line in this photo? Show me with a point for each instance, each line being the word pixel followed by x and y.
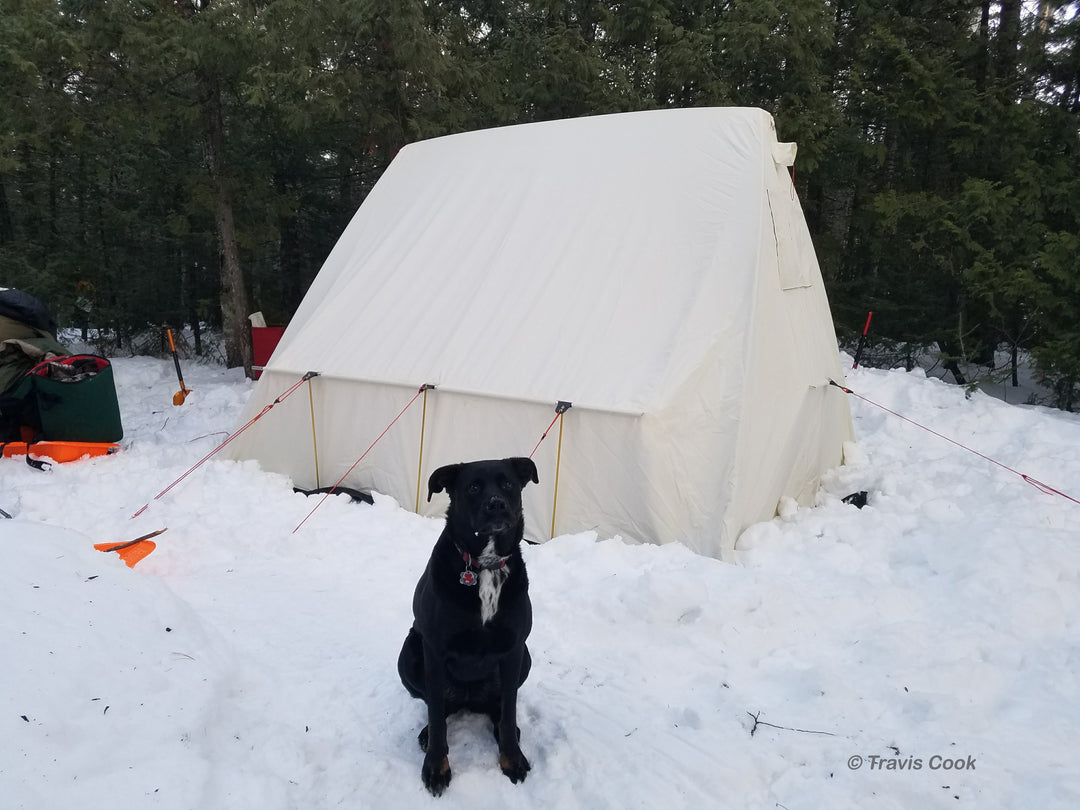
pixel 1035 482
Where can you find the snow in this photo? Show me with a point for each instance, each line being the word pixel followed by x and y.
pixel 244 666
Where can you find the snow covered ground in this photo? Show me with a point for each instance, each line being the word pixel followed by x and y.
pixel 932 638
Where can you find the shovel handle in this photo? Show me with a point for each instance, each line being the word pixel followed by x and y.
pixel 176 362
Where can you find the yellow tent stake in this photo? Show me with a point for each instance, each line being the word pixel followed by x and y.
pixel 314 443
pixel 558 458
pixel 420 461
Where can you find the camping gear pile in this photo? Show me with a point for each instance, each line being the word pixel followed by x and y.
pixel 52 403
pixel 55 406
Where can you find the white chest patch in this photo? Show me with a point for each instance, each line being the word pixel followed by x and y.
pixel 491 582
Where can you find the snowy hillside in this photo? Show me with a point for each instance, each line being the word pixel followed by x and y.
pixel 242 666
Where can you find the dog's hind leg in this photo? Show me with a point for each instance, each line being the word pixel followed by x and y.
pixel 526 664
pixel 411 664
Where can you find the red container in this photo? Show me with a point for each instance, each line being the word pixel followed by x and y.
pixel 264 339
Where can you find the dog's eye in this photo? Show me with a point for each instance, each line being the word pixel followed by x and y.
pixel 508 485
pixel 473 488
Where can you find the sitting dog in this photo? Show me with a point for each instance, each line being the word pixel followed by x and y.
pixel 471 613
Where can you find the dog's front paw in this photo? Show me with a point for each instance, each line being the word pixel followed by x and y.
pixel 514 765
pixel 436 774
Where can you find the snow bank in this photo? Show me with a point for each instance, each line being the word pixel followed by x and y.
pixel 244 666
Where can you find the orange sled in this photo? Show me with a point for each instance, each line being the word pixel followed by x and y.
pixel 60 452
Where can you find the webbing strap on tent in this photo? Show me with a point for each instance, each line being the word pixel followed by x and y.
pixel 420 462
pixel 314 441
pixel 561 408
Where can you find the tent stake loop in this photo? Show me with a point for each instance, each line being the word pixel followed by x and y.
pixel 314 441
pixel 560 410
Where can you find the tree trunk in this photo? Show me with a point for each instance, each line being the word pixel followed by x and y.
pixel 983 76
pixel 1008 44
pixel 196 331
pixel 234 300
pixel 7 227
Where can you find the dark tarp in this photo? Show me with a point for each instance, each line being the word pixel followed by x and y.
pixel 23 307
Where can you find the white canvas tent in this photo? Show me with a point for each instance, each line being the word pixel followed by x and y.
pixel 653 269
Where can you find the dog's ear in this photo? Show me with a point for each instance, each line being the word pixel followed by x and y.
pixel 443 479
pixel 525 470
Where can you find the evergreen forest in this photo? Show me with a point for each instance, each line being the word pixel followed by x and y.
pixel 192 161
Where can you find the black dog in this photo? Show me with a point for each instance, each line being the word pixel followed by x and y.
pixel 472 614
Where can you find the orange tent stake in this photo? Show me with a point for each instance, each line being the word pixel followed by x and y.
pixel 133 550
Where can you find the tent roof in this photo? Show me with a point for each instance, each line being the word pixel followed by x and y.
pixel 595 260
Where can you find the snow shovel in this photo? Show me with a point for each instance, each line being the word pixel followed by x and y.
pixel 133 550
pixel 181 395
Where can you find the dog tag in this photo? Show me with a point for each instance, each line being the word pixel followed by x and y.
pixel 467 578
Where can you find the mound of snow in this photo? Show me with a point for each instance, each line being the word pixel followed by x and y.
pixel 112 687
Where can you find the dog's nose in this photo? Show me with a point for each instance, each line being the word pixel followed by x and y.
pixel 496 504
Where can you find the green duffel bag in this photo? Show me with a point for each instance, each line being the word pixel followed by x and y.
pixel 73 399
